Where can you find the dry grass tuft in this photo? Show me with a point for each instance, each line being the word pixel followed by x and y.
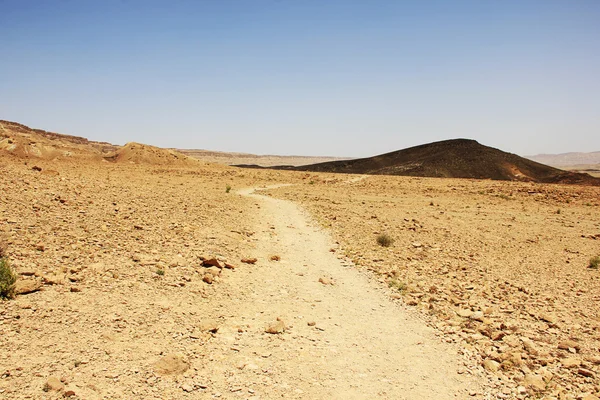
pixel 385 240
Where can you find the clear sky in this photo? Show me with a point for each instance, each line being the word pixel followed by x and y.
pixel 325 77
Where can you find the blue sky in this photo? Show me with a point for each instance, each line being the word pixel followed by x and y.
pixel 345 78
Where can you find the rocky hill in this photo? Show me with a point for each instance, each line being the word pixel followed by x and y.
pixel 24 142
pixel 457 158
pixel 138 153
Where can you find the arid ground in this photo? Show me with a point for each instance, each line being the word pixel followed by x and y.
pixel 152 277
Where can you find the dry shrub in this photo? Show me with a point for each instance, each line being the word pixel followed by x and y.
pixel 385 240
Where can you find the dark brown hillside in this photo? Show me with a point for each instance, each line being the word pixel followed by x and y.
pixel 457 158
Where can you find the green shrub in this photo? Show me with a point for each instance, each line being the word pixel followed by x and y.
pixel 595 262
pixel 385 240
pixel 227 188
pixel 160 272
pixel 7 280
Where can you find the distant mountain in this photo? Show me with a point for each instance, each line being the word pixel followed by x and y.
pixel 457 158
pixel 567 159
pixel 231 158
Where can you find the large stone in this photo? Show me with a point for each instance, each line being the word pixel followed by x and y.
pixel 534 382
pixel 590 397
pixel 550 318
pixel 569 344
pixel 209 326
pixel 571 362
pixel 211 262
pixel 325 281
pixel 586 372
pixel 171 364
pixel 491 365
pixel 477 316
pixel 25 286
pixel 53 384
pixel 214 271
pixel 276 327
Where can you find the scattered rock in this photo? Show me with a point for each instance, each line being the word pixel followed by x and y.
pixel 534 382
pixel 209 326
pixel 491 365
pixel 53 279
pixel 249 260
pixel 594 360
pixel 570 362
pixel 53 384
pixel 275 258
pixel 326 281
pixel 569 344
pixel 212 262
pixel 477 316
pixel 50 172
pixel 586 372
pixel 550 318
pixel 214 271
pixel 276 327
pixel 171 364
pixel 590 397
pixel 208 278
pixel 26 286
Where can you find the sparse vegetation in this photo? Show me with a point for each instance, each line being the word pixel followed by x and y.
pixel 398 285
pixel 385 240
pixel 595 262
pixel 160 272
pixel 227 188
pixel 7 279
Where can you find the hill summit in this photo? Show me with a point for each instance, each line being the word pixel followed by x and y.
pixel 456 158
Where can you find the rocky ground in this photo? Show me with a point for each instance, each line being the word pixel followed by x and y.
pixel 112 257
pixel 499 267
pixel 151 281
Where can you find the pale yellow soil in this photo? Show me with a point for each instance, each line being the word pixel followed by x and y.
pixel 500 267
pixel 485 292
pixel 95 237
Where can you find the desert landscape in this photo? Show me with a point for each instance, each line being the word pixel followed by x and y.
pixel 145 273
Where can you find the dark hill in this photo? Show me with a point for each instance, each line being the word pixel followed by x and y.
pixel 458 158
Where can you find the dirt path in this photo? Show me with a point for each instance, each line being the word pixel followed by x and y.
pixel 362 344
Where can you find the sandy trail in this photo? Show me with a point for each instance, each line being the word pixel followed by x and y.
pixel 362 346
